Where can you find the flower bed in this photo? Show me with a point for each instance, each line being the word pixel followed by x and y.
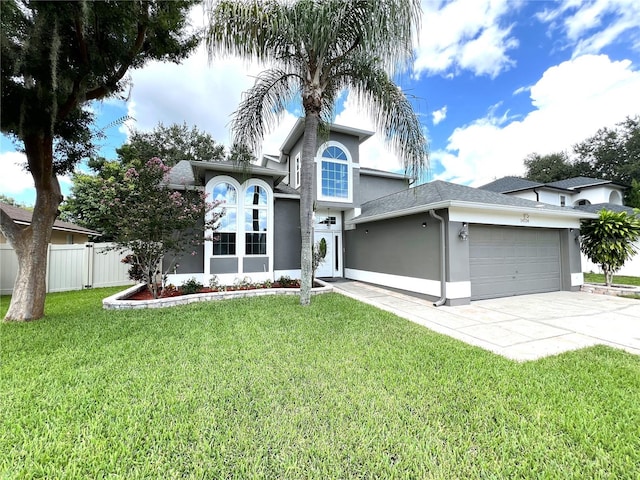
pixel 139 296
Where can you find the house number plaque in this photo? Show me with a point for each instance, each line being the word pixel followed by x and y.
pixel 525 218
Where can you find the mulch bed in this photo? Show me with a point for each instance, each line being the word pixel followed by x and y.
pixel 145 294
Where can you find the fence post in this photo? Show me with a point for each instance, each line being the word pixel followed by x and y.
pixel 88 265
pixel 48 270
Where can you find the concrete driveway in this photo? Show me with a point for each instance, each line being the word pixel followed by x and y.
pixel 521 328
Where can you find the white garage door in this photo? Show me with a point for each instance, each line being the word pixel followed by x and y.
pixel 506 261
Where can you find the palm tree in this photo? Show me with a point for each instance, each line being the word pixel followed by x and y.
pixel 316 49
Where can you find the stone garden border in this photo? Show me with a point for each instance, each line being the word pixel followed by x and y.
pixel 119 300
pixel 612 290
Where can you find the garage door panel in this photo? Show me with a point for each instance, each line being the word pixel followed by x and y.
pixel 507 261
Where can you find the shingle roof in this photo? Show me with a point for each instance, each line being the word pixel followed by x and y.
pixel 596 207
pixel 439 192
pixel 20 215
pixel 510 184
pixel 577 182
pixel 181 174
pixel 286 189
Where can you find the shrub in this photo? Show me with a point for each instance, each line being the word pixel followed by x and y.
pixel 285 281
pixel 191 286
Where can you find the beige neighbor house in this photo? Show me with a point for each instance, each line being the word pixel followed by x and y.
pixel 64 233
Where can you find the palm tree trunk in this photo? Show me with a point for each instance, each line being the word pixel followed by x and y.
pixel 31 244
pixel 306 204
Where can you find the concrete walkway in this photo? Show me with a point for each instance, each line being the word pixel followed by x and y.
pixel 521 328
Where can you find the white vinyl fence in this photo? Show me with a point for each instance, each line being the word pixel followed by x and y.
pixel 70 267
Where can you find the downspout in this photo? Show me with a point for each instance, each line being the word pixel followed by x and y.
pixel 537 194
pixel 443 264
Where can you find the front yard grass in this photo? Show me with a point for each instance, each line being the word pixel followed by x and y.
pixel 263 388
pixel 617 279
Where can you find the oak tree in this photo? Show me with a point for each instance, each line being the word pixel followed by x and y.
pixel 56 57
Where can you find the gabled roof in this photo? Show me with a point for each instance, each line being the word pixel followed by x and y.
pixel 185 172
pixel 22 216
pixel 517 184
pixel 577 183
pixel 510 184
pixel 440 194
pixel 298 129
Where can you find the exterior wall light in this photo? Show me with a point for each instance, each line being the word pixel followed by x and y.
pixel 424 224
pixel 464 231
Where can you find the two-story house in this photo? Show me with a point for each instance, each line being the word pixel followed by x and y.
pixel 573 192
pixel 448 242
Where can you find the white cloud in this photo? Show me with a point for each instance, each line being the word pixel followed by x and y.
pixel 374 152
pixel 592 25
pixel 14 178
pixel 16 182
pixel 439 115
pixel 465 34
pixel 197 92
pixel 570 104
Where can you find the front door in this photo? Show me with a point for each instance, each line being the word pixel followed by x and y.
pixel 329 226
pixel 330 266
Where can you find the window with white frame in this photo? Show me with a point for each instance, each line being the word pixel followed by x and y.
pixel 334 173
pixel 255 220
pixel 225 238
pixel 297 171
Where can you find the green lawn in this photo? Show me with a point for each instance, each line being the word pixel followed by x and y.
pixel 617 279
pixel 263 388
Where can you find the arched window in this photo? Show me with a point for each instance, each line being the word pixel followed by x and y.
pixel 334 176
pixel 225 238
pixel 255 220
pixel 615 198
pixel 583 202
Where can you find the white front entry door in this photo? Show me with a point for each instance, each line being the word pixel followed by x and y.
pixel 332 264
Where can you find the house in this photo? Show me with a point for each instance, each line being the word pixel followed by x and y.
pixel 578 192
pixel 63 233
pixel 448 242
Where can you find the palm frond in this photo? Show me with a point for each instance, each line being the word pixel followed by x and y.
pixel 390 109
pixel 261 30
pixel 262 106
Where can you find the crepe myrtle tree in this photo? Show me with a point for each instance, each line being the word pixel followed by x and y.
pixel 316 50
pixel 608 241
pixel 56 57
pixel 156 223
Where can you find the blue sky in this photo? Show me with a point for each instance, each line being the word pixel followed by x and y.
pixel 493 81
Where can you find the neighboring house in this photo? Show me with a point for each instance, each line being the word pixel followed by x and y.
pixel 580 193
pixel 62 233
pixel 448 242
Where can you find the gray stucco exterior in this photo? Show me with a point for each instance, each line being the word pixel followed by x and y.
pixel 373 247
pixel 372 186
pixel 286 241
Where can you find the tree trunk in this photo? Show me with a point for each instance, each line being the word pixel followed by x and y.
pixel 309 146
pixel 31 244
pixel 608 277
